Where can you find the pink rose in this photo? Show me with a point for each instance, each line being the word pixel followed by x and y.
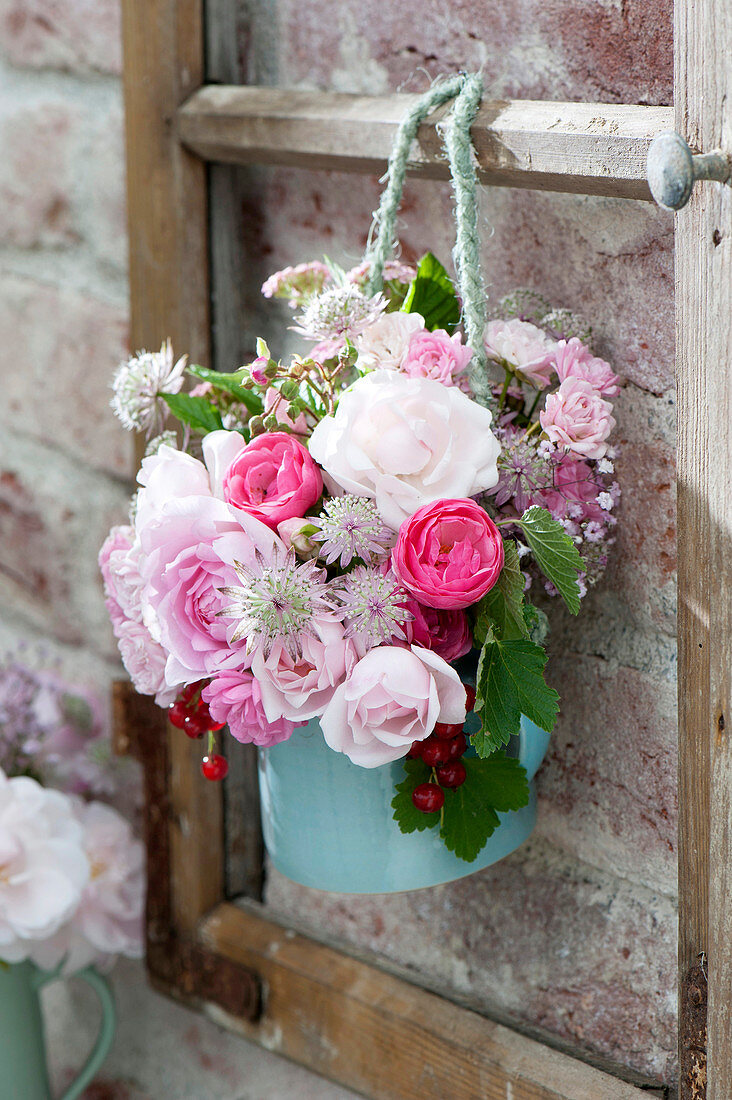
pixel 114 550
pixel 302 689
pixel 448 554
pixel 273 478
pixel 145 661
pixel 190 550
pixel 577 418
pixel 524 346
pixel 170 474
pixel 392 697
pixel 574 484
pixel 437 356
pixel 446 633
pixel 235 697
pixel 573 360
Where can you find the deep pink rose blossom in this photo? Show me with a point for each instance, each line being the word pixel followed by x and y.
pixel 235 697
pixel 448 554
pixel 575 483
pixel 392 697
pixel 577 418
pixel 437 356
pixel 573 360
pixel 446 633
pixel 273 478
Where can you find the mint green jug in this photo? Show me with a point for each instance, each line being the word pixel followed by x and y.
pixel 23 1073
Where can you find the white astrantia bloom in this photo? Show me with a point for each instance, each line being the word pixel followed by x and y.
pixel 372 606
pixel 340 312
pixel 351 527
pixel 138 384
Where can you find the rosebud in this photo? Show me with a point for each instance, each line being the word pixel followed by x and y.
pixel 256 426
pixel 297 533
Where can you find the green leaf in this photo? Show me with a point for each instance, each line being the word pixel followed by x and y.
pixel 501 609
pixel 197 412
pixel 229 383
pixel 407 816
pixel 555 553
pixel 432 294
pixel 469 816
pixel 510 683
pixel 537 623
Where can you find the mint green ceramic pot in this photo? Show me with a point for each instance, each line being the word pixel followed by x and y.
pixel 328 823
pixel 23 1074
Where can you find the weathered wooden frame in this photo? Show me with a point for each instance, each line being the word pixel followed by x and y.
pixel 255 976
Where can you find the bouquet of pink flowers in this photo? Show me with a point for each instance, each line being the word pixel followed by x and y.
pixel 336 534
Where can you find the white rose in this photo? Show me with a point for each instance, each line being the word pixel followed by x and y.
pixel 383 345
pixel 405 442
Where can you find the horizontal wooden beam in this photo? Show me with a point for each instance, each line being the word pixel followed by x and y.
pixel 382 1036
pixel 585 148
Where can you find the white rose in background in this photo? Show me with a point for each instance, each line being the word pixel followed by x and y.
pixel 392 697
pixel 405 442
pixel 385 343
pixel 43 867
pixel 524 346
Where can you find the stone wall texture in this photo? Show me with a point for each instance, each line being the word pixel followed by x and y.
pixel 574 935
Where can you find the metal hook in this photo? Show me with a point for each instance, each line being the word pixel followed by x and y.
pixel 673 169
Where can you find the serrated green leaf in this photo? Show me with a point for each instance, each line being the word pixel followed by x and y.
pixel 555 553
pixel 407 816
pixel 229 383
pixel 510 683
pixel 537 623
pixel 469 816
pixel 432 294
pixel 501 609
pixel 197 412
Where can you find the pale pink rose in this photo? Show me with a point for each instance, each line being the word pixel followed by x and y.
pixel 170 474
pixel 119 561
pixel 578 419
pixel 406 441
pixel 448 554
pixel 301 689
pixel 273 478
pixel 145 661
pixel 392 697
pixel 109 919
pixel 573 360
pixel 235 697
pixel 274 403
pixel 437 356
pixel 446 633
pixel 574 483
pixel 529 350
pixel 43 868
pixel 190 550
pixel 384 344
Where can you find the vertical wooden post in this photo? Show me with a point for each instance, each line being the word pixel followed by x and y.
pixel 166 195
pixel 703 93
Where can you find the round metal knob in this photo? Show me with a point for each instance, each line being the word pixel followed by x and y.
pixel 673 169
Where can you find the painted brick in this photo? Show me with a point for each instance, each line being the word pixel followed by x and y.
pixel 536 939
pixel 71 35
pixel 65 348
pixel 37 174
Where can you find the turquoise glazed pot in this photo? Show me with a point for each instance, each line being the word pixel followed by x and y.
pixel 328 823
pixel 23 1074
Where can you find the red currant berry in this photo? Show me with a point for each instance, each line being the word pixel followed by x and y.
pixel 428 798
pixel 196 725
pixel 214 767
pixel 190 691
pixel 469 697
pixel 178 714
pixel 204 714
pixel 434 752
pixel 451 775
pixel 445 733
pixel 416 750
pixel 456 747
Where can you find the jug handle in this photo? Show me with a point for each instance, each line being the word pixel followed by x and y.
pixel 106 1031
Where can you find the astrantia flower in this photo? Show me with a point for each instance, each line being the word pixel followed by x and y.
pixel 521 470
pixel 351 527
pixel 339 313
pixel 278 601
pixel 372 605
pixel 137 386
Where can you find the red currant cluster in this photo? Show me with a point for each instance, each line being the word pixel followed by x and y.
pixel 441 751
pixel 191 714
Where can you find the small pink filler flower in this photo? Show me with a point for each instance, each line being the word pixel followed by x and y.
pixel 448 554
pixel 273 478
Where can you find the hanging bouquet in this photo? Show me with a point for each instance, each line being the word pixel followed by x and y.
pixel 349 535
